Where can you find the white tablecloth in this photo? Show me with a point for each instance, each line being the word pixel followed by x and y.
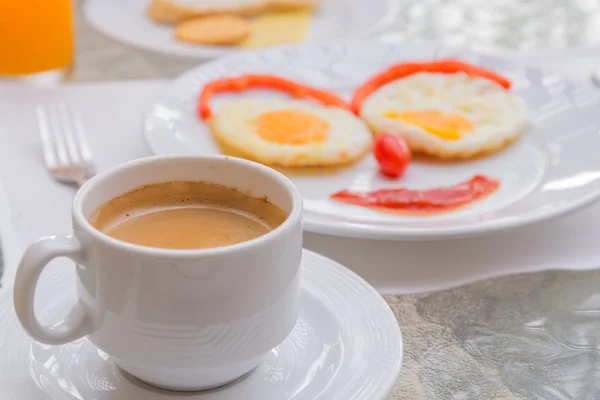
pixel 33 205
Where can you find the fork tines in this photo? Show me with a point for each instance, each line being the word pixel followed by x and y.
pixel 64 144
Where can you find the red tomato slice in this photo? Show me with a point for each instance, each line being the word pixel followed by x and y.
pixel 392 154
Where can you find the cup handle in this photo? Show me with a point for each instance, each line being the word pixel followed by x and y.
pixel 78 323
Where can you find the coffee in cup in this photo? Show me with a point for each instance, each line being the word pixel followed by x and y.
pixel 186 215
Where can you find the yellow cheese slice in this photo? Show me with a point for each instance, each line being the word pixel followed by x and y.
pixel 276 28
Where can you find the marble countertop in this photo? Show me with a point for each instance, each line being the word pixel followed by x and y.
pixel 531 336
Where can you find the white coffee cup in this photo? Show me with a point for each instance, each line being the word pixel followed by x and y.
pixel 177 319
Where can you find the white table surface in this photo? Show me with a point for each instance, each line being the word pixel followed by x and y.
pixel 36 205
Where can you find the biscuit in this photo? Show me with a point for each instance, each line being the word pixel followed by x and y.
pixel 175 11
pixel 216 29
pixel 165 12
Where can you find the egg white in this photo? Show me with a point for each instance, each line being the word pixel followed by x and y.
pixel 498 116
pixel 348 137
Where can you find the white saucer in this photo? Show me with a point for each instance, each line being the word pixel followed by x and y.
pixel 346 345
pixel 551 170
pixel 126 22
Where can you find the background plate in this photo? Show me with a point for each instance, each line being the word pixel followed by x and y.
pixel 126 22
pixel 553 169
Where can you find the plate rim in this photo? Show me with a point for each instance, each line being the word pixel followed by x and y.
pixel 484 227
pixel 367 230
pixel 202 52
pixel 389 384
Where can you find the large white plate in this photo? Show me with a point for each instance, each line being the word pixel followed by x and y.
pixel 553 169
pixel 126 22
pixel 346 345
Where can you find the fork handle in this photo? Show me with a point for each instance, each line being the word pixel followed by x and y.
pixel 78 322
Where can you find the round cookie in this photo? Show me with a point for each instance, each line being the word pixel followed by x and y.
pixel 216 29
pixel 175 11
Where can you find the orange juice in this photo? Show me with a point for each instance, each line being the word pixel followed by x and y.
pixel 35 36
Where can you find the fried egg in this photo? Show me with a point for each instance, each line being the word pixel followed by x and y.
pixel 291 133
pixel 447 115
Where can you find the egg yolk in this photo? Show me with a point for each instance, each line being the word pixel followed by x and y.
pixel 438 123
pixel 292 127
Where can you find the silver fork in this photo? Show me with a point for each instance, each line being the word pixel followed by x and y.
pixel 66 152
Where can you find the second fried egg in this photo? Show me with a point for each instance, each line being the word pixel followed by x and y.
pixel 447 115
pixel 291 133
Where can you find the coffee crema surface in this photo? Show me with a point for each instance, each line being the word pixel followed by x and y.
pixel 186 215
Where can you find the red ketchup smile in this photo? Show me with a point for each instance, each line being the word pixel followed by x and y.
pixel 429 201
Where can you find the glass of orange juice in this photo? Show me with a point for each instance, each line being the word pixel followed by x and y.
pixel 36 39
